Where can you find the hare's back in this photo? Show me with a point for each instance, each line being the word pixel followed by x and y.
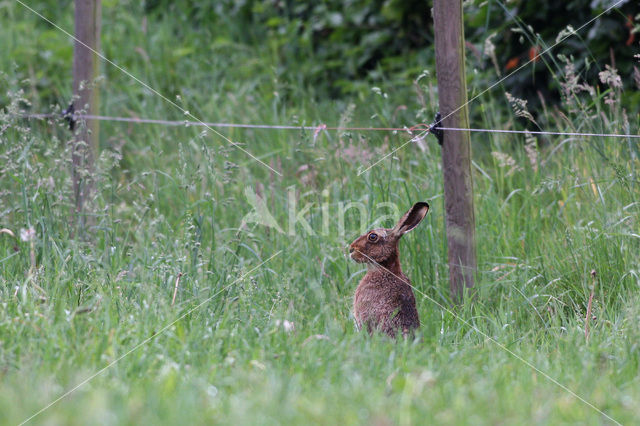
pixel 385 302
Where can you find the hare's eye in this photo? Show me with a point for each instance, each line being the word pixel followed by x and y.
pixel 373 237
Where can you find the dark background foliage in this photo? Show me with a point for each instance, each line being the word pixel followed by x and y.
pixel 333 45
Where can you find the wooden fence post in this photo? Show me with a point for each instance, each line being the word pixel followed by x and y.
pixel 456 147
pixel 85 71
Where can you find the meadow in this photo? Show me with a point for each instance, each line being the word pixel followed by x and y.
pixel 264 331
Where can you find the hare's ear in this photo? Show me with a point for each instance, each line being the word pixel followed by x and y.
pixel 411 219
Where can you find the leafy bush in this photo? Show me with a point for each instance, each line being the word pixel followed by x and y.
pixel 520 30
pixel 332 45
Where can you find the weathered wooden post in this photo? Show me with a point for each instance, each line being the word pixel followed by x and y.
pixel 85 71
pixel 456 146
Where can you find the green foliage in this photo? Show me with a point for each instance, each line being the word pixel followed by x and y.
pixel 170 201
pixel 331 46
pixel 517 27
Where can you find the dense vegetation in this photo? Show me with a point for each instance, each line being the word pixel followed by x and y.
pixel 335 45
pixel 275 343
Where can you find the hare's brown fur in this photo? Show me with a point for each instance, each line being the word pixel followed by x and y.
pixel 384 299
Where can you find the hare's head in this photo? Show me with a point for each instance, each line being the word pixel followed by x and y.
pixel 381 245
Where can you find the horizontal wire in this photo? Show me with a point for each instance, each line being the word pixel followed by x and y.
pixel 231 125
pixel 318 128
pixel 540 132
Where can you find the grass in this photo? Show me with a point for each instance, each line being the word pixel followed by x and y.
pixel 170 201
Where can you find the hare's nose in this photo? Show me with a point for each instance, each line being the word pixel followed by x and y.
pixel 351 249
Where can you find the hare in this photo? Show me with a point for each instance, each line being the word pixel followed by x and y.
pixel 384 300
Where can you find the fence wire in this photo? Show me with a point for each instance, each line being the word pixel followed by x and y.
pixel 422 127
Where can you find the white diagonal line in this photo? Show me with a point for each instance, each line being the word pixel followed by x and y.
pixel 185 112
pixel 144 342
pixel 500 345
pixel 422 134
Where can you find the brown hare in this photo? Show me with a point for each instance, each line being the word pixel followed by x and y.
pixel 384 299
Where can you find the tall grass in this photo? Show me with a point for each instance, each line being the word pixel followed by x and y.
pixel 170 201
